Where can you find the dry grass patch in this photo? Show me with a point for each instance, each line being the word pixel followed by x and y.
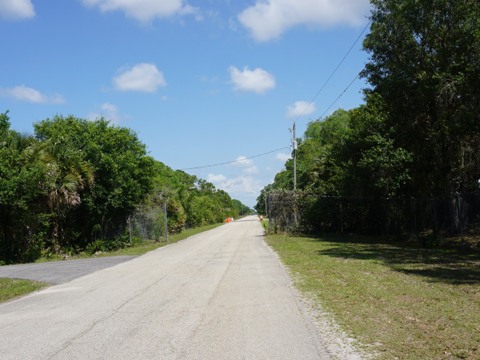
pixel 406 302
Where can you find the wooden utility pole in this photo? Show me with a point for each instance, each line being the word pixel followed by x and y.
pixel 294 145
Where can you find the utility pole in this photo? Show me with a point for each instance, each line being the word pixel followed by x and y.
pixel 294 145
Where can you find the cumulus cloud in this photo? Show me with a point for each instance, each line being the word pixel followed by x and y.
pixel 300 108
pixel 28 94
pixel 268 19
pixel 238 185
pixel 257 80
pixel 216 179
pixel 243 161
pixel 144 10
pixel 16 9
pixel 142 77
pixel 108 111
pixel 283 157
pixel 246 164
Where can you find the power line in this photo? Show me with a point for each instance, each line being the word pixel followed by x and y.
pixel 336 69
pixel 235 161
pixel 339 96
pixel 308 105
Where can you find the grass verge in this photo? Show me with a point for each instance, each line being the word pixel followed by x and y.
pixel 265 225
pixel 149 245
pixel 12 288
pixel 403 302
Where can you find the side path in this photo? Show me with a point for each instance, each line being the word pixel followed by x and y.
pixel 58 272
pixel 222 294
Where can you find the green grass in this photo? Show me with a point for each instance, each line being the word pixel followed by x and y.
pixel 402 302
pixel 12 288
pixel 265 225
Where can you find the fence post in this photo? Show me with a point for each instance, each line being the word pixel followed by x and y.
pixel 166 219
pixel 129 222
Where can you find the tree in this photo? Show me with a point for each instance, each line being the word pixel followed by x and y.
pixel 318 170
pixel 122 171
pixel 22 215
pixel 425 65
pixel 373 165
pixel 261 206
pixel 66 175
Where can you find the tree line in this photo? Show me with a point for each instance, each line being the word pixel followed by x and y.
pixel 76 181
pixel 417 135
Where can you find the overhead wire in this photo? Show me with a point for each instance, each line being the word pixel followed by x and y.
pixel 335 70
pixel 339 96
pixel 303 112
pixel 236 161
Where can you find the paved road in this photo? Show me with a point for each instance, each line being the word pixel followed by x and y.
pixel 58 272
pixel 222 295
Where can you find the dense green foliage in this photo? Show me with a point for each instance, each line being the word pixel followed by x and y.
pixel 425 65
pixel 191 202
pixel 416 136
pixel 75 184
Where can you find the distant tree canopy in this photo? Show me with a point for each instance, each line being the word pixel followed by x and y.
pixel 418 133
pixel 77 181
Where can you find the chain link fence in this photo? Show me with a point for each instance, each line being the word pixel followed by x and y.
pixel 433 219
pixel 148 223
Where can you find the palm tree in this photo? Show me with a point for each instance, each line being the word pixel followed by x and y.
pixel 67 174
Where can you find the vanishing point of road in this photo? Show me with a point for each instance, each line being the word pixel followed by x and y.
pixel 222 294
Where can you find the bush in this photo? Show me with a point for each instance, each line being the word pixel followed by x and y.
pixel 106 245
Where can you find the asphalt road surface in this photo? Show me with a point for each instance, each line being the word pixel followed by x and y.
pixel 58 272
pixel 222 294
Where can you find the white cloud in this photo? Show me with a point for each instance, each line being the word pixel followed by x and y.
pixel 144 10
pixel 283 157
pixel 258 80
pixel 268 19
pixel 235 186
pixel 110 108
pixel 246 164
pixel 28 94
pixel 300 108
pixel 142 77
pixel 216 179
pixel 16 9
pixel 108 111
pixel 252 170
pixel 243 161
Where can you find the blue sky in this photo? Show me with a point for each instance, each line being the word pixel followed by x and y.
pixel 200 82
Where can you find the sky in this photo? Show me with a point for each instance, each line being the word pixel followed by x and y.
pixel 201 82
